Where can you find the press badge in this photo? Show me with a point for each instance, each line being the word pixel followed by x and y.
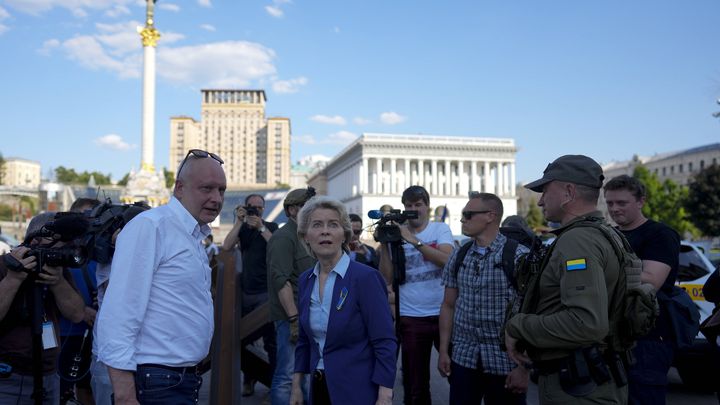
pixel 48 336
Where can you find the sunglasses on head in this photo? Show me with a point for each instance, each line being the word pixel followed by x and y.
pixel 201 154
pixel 469 214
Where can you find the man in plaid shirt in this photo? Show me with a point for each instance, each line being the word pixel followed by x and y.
pixel 473 311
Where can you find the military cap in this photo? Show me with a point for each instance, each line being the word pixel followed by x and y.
pixel 299 196
pixel 576 169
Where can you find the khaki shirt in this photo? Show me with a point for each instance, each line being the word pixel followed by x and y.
pixel 574 294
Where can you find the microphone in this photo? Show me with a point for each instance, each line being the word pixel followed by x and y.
pixel 375 214
pixel 69 225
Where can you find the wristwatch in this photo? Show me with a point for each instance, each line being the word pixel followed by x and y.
pixel 419 244
pixel 262 229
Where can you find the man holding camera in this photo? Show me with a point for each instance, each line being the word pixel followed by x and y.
pixel 156 321
pixel 250 234
pixel 359 251
pixel 428 247
pixel 18 277
pixel 287 258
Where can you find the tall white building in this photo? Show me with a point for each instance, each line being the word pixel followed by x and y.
pixel 376 168
pixel 21 173
pixel 232 124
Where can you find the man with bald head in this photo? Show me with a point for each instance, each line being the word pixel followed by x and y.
pixel 156 321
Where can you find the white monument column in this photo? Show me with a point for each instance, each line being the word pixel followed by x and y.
pixel 448 179
pixel 434 175
pixel 486 178
pixel 513 180
pixel 474 176
pixel 377 180
pixel 500 175
pixel 364 176
pixel 407 175
pixel 393 175
pixel 421 173
pixel 150 36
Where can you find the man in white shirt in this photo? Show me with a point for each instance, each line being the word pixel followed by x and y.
pixel 427 247
pixel 156 321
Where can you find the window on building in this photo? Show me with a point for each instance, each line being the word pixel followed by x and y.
pixel 672 169
pixel 680 168
pixel 690 168
pixel 702 164
pixel 664 171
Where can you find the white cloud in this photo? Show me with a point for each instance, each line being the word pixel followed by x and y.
pixel 341 137
pixel 392 118
pixel 274 11
pixel 117 11
pixel 208 64
pixel 208 27
pixel 289 86
pixel 76 7
pixel 169 7
pixel 361 121
pixel 48 46
pixel 3 28
pixel 306 139
pixel 204 3
pixel 89 52
pixel 113 141
pixel 326 119
pixel 4 14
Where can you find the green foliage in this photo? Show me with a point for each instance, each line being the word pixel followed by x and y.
pixel 69 176
pixel 280 185
pixel 124 180
pixel 169 178
pixel 2 169
pixel 6 212
pixel 534 216
pixel 665 202
pixel 703 202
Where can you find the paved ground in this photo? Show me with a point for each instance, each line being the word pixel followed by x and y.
pixel 677 393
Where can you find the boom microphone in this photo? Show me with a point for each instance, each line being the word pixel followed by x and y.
pixel 69 225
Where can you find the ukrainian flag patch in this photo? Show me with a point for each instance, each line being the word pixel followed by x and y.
pixel 577 264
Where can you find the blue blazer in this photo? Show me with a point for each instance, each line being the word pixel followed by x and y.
pixel 360 348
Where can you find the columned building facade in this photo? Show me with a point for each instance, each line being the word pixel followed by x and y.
pixel 376 168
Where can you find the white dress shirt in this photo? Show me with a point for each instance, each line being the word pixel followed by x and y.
pixel 157 308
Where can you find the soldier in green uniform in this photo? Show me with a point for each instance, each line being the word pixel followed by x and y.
pixel 565 316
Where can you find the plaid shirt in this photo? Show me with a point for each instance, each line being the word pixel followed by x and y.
pixel 484 293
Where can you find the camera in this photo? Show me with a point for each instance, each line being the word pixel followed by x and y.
pixel 387 232
pixel 105 220
pixel 252 211
pixel 66 256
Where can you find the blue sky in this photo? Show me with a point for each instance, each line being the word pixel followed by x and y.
pixel 607 79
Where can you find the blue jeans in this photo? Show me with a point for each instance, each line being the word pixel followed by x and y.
pixel 648 376
pixel 100 383
pixel 155 385
pixel 285 366
pixel 470 386
pixel 17 389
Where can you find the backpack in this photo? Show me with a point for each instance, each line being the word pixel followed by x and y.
pixel 683 315
pixel 515 236
pixel 638 308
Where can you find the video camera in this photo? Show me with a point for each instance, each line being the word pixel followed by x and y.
pixel 104 221
pixel 387 232
pixel 251 211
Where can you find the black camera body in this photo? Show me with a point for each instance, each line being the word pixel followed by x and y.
pixel 252 211
pixel 105 220
pixel 387 232
pixel 66 256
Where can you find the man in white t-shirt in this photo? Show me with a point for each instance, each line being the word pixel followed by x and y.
pixel 428 246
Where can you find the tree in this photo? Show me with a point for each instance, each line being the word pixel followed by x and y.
pixel 69 176
pixel 703 202
pixel 2 169
pixel 169 178
pixel 665 202
pixel 534 216
pixel 123 182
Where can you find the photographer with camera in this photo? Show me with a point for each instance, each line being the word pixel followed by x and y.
pixel 427 247
pixel 250 234
pixel 360 252
pixel 21 284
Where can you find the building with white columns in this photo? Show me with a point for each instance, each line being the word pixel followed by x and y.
pixel 376 168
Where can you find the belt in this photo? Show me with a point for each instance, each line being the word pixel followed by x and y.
pixel 547 367
pixel 183 370
pixel 318 375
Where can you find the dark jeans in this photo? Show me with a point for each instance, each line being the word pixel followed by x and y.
pixel 155 385
pixel 267 333
pixel 319 394
pixel 417 338
pixel 648 376
pixel 469 387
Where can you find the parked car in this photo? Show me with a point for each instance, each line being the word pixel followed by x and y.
pixel 12 242
pixel 699 365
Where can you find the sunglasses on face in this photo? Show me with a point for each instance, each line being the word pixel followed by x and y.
pixel 469 214
pixel 200 154
pixel 357 232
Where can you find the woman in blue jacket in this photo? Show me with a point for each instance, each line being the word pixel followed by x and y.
pixel 346 340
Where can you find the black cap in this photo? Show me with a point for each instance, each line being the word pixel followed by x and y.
pixel 576 169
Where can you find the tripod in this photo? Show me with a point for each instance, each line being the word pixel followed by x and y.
pixel 397 256
pixel 36 317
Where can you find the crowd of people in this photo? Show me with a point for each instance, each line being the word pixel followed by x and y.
pixel 341 309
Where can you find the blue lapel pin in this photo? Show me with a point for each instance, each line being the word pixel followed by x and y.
pixel 341 300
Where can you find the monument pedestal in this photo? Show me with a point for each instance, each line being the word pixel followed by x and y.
pixel 146 185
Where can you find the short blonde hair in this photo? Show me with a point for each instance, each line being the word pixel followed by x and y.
pixel 315 203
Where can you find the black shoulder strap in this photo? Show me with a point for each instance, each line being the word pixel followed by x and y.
pixel 461 256
pixel 508 260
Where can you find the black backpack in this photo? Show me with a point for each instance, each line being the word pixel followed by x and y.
pixel 515 236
